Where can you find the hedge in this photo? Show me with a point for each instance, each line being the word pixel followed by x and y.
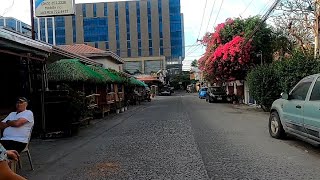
pixel 266 82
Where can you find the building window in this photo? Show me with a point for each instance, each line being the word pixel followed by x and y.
pixel 84 10
pixel 139 52
pixel 161 42
pixel 95 29
pixel 118 52
pixel 74 33
pixel 150 52
pixel 116 6
pixel 128 44
pixel 105 9
pixel 94 10
pixel 139 35
pixel 107 45
pixel 118 44
pixel 129 52
pixel 150 35
pixel 59 30
pixel 150 43
pixel 96 45
pixel 128 36
pixel 117 20
pixel 161 51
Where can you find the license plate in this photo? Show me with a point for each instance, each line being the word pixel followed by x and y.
pixel 219 98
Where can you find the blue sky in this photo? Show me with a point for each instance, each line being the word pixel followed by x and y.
pixel 192 10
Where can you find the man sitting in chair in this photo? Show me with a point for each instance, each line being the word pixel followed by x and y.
pixel 17 127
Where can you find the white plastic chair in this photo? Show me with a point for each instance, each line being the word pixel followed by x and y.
pixel 26 150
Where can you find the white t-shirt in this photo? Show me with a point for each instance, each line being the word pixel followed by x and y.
pixel 22 133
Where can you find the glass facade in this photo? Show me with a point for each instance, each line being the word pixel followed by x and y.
pixel 15 25
pixel 59 28
pixel 116 7
pixel 139 28
pixel 95 29
pixel 160 26
pixel 128 30
pixel 176 29
pixel 134 66
pixel 152 66
pixel 42 30
pixel 50 30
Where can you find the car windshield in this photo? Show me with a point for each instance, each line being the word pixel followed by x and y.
pixel 216 89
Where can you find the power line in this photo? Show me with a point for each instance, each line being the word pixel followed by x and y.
pixel 263 19
pixel 247 7
pixel 192 51
pixel 8 8
pixel 218 12
pixel 204 11
pixel 265 8
pixel 211 15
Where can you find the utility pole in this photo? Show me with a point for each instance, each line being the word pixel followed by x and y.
pixel 316 34
pixel 32 20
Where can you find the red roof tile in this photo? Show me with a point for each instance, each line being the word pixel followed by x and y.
pixel 81 49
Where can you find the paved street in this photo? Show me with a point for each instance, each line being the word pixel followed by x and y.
pixel 177 137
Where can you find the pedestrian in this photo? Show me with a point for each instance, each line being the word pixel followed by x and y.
pixel 17 127
pixel 5 172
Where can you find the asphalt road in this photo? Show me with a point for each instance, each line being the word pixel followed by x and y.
pixel 182 137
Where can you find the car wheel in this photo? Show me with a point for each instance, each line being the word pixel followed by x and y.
pixel 210 101
pixel 275 127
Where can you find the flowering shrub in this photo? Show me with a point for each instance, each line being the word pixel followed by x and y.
pixel 227 56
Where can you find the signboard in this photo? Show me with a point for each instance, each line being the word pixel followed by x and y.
pixel 44 8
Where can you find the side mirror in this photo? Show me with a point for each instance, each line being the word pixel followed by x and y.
pixel 285 96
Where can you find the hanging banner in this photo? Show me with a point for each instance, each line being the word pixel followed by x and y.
pixel 45 8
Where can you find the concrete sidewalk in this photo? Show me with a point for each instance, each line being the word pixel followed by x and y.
pixel 48 152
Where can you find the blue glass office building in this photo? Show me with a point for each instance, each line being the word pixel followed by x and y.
pixel 147 34
pixel 15 25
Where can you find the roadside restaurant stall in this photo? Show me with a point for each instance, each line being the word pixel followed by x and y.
pixel 23 73
pixel 79 82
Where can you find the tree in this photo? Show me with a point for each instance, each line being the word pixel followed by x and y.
pixel 266 82
pixel 296 19
pixel 229 55
pixel 183 77
pixel 194 63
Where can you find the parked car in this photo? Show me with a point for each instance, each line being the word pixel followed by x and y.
pixel 165 92
pixel 171 89
pixel 203 93
pixel 215 94
pixel 298 112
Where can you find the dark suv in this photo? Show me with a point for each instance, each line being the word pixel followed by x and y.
pixel 215 94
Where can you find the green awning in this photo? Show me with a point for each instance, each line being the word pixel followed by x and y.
pixel 116 76
pixel 103 72
pixel 136 82
pixel 72 70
